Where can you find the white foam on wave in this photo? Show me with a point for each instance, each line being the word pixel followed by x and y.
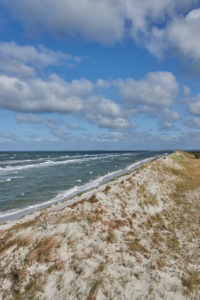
pixel 16 161
pixel 65 195
pixel 50 163
pixel 5 180
pixel 10 178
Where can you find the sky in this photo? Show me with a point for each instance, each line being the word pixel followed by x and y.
pixel 99 75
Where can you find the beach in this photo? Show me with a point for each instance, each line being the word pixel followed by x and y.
pixel 134 237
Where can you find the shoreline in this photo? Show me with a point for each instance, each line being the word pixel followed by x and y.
pixel 131 238
pixel 20 213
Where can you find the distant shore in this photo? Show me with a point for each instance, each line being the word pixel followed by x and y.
pixel 131 238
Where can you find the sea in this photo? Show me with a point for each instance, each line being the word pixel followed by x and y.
pixel 30 181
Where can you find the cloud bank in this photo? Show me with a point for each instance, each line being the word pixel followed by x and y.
pixel 159 25
pixel 83 98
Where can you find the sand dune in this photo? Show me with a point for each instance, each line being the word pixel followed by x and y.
pixel 136 237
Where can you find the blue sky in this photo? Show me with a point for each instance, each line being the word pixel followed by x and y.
pixel 110 75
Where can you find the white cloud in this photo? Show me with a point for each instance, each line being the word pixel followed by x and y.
pixel 102 21
pixel 108 122
pixel 181 35
pixel 101 83
pixel 166 125
pixel 114 136
pixel 156 90
pixel 194 106
pixel 8 136
pixel 25 60
pixel 104 106
pixel 59 133
pixel 37 95
pixel 186 90
pixel 28 118
pixel 96 20
pixel 146 13
pixel 75 126
pixel 194 123
pixel 105 113
pixel 54 121
pixel 167 119
pixel 170 115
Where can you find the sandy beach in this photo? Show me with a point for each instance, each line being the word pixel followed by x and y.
pixel 135 237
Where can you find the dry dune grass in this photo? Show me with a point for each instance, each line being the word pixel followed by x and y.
pixel 134 238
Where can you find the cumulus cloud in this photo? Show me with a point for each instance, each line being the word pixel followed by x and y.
pixel 75 126
pixel 166 125
pixel 170 115
pixel 186 90
pixel 114 136
pixel 108 122
pixel 59 133
pixel 55 121
pixel 37 95
pixel 180 35
pixel 194 123
pixel 105 113
pixel 145 14
pixel 84 99
pixel 28 118
pixel 194 105
pixel 96 20
pixel 8 136
pixel 102 21
pixel 158 89
pixel 167 119
pixel 24 60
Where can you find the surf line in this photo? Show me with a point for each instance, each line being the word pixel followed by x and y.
pixel 68 194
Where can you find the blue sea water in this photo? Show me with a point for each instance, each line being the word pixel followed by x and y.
pixel 33 180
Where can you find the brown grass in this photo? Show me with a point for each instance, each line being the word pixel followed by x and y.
pixel 34 286
pixel 43 249
pixel 93 199
pixel 77 203
pixel 8 245
pixel 134 245
pixel 152 199
pixel 107 189
pixel 191 282
pixel 94 290
pixel 57 266
pixel 110 237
